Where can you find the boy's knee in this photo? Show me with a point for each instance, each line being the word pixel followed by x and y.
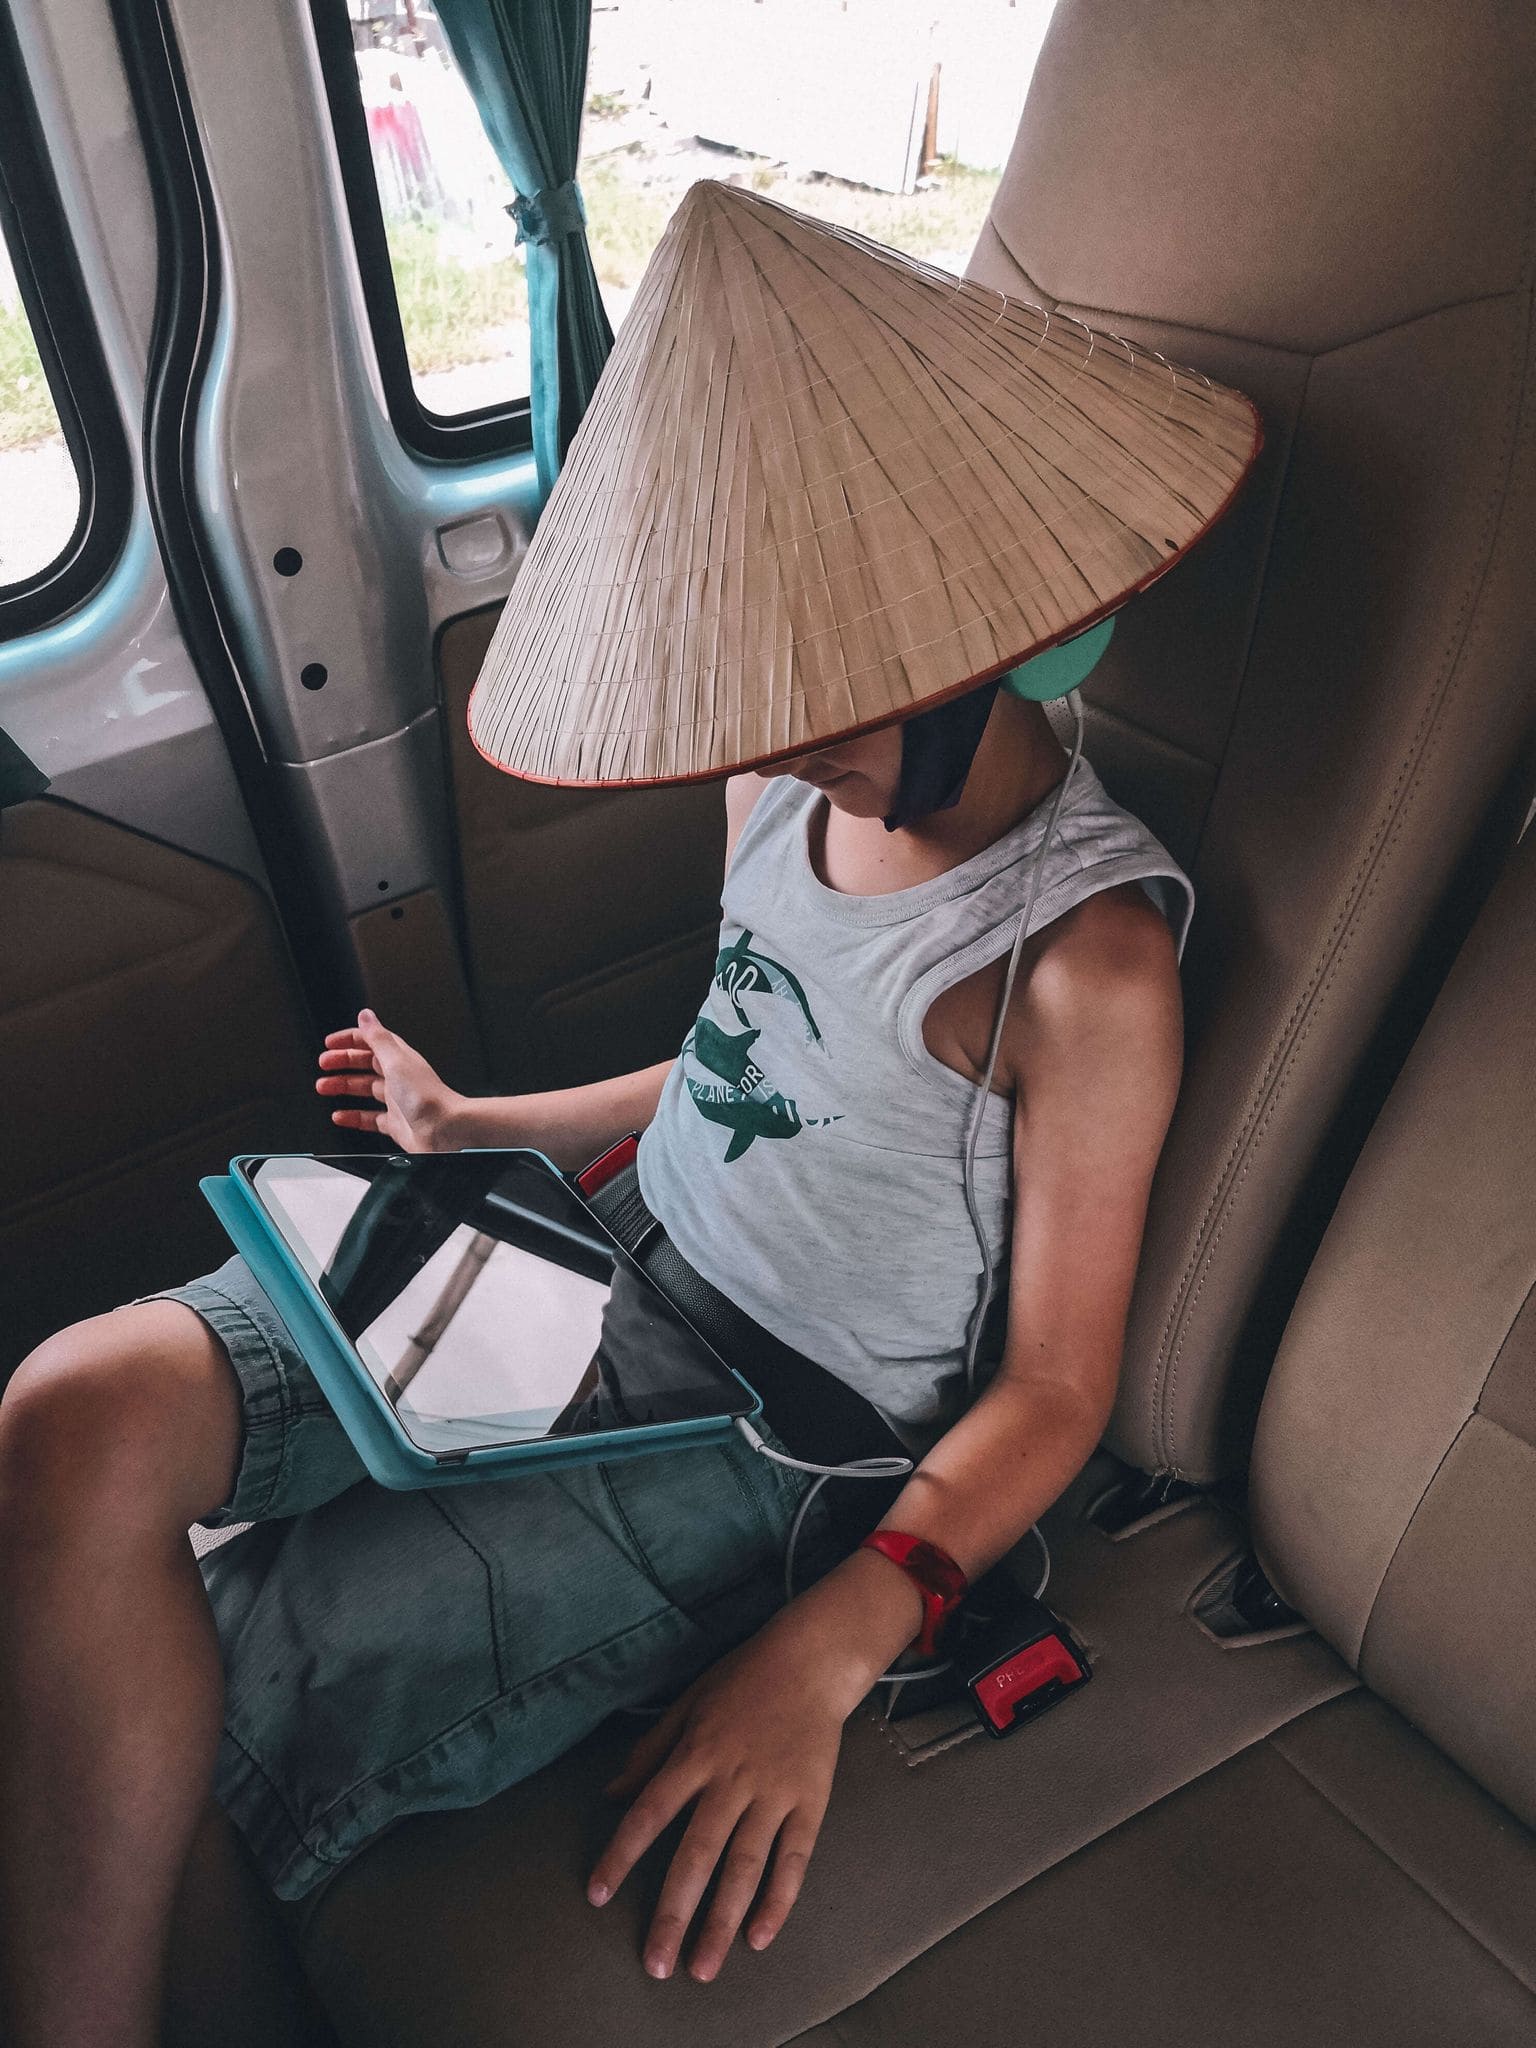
pixel 135 1412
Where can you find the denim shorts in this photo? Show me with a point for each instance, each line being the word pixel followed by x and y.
pixel 393 1653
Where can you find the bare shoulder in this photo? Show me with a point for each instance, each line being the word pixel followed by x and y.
pixel 741 793
pixel 1097 1020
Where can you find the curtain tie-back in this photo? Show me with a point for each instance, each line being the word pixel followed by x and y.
pixel 550 215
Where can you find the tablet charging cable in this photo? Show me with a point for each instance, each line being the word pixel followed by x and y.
pixel 856 1468
pixel 859 1468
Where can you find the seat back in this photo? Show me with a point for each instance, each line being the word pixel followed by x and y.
pixel 1332 209
pixel 1394 1472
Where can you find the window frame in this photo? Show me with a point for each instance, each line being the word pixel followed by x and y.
pixel 505 429
pixel 57 305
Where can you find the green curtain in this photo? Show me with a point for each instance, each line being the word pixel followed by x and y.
pixel 526 64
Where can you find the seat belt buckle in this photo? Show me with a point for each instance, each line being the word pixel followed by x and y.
pixel 1019 1665
pixel 608 1165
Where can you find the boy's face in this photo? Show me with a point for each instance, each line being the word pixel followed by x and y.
pixel 860 776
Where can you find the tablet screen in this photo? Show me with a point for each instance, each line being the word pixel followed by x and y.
pixel 484 1301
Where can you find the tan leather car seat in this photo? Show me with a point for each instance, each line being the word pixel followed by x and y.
pixel 1331 208
pixel 1322 714
pixel 1347 1880
pixel 1226 1837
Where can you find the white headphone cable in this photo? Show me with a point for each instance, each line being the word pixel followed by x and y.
pixel 898 1468
pixel 984 1085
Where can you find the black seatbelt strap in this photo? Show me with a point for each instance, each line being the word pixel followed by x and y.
pixel 818 1416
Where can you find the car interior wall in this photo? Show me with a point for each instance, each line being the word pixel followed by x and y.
pixel 150 1026
pixel 589 918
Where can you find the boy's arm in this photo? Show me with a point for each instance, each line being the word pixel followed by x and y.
pixel 573 1125
pixel 570 1125
pixel 1093 1046
pixel 1097 1051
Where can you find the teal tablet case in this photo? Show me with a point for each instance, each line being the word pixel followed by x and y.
pixel 360 1405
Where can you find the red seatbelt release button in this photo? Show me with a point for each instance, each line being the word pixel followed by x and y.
pixel 1019 1669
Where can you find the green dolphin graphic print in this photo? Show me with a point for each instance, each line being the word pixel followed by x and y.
pixel 720 1069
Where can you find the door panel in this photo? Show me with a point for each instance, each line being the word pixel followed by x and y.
pixel 149 1028
pixel 150 1019
pixel 590 916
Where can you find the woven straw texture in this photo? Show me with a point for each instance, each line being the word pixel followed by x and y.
pixel 821 485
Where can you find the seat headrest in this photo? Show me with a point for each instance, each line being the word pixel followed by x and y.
pixel 1300 175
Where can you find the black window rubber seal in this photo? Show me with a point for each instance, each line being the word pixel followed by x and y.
pixel 55 301
pixel 188 288
pixel 459 437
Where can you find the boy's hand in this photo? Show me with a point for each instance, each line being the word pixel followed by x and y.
pixel 405 1099
pixel 752 1744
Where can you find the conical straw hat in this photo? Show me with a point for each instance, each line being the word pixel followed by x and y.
pixel 820 486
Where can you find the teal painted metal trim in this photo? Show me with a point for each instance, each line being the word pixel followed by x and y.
pixel 112 613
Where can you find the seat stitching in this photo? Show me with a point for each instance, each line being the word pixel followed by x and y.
pixel 1066 1856
pixel 1388 829
pixel 1268 1093
pixel 1095 315
pixel 1493 1422
pixel 1162 1410
pixel 1473 1414
pixel 1160 1416
pixel 830 2023
pixel 1497 1358
pixel 1457 1434
pixel 1528 1985
pixel 1429 1486
pixel 1109 714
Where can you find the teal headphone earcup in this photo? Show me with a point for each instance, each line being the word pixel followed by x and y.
pixel 1060 668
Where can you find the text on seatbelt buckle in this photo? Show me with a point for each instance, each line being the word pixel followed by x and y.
pixel 1017 1668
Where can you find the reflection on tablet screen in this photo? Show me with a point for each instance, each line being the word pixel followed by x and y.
pixel 480 1298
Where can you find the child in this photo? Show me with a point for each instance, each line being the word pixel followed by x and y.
pixel 387 1653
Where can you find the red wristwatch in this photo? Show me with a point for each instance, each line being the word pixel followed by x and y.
pixel 934 1573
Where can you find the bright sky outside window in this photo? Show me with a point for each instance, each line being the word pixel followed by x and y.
pixel 893 117
pixel 39 490
pixel 458 273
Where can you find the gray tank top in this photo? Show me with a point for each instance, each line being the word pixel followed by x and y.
pixel 805 1155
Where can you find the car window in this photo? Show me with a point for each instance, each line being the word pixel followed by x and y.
pixel 39 485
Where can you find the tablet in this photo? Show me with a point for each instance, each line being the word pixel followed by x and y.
pixel 480 1307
